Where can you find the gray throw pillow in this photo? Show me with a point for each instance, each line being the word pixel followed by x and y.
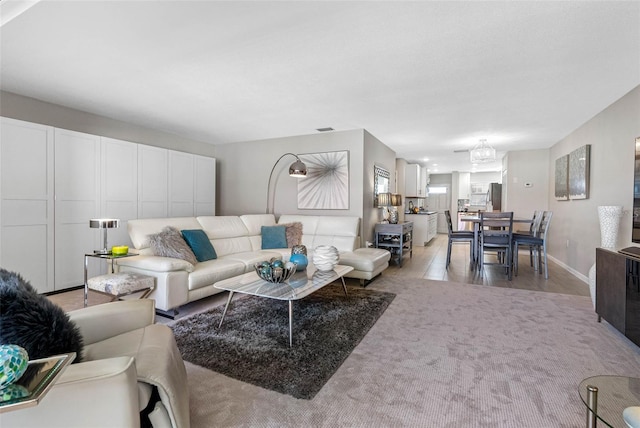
pixel 170 243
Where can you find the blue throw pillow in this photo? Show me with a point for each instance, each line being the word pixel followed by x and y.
pixel 274 237
pixel 199 243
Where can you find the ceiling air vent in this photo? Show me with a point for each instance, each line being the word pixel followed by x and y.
pixel 324 129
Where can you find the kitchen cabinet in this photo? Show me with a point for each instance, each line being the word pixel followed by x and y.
pixel 464 185
pixel 425 227
pixel 413 181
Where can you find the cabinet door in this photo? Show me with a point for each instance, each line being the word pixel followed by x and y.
pixel 77 190
pixel 26 202
pixel 119 186
pixel 181 178
pixel 152 182
pixel 411 179
pixel 205 185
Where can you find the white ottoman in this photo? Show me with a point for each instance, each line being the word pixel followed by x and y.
pixel 367 263
pixel 122 284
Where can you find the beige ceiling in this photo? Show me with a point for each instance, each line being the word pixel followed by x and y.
pixel 426 78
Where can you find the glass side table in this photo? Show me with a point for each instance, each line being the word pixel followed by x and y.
pixel 107 256
pixel 36 381
pixel 607 396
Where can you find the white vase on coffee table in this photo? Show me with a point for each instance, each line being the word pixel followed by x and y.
pixel 325 257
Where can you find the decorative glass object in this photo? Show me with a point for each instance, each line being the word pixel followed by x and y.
pixel 325 257
pixel 300 260
pixel 275 271
pixel 13 363
pixel 299 249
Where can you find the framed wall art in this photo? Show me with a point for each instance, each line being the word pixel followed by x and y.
pixel 579 161
pixel 326 186
pixel 562 178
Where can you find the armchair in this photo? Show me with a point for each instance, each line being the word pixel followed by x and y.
pixel 125 356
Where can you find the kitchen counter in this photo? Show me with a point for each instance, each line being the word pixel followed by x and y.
pixel 421 213
pixel 425 226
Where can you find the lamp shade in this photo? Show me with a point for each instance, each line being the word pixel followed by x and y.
pixel 298 169
pixel 384 199
pixel 396 200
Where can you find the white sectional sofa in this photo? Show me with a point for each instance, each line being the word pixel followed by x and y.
pixel 237 241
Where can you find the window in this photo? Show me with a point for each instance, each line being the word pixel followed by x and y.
pixel 437 190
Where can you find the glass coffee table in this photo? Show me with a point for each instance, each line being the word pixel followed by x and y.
pixel 607 396
pixel 300 285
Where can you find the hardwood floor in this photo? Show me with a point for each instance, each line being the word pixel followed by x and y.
pixel 428 262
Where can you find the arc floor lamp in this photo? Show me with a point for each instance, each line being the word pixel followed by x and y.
pixel 296 169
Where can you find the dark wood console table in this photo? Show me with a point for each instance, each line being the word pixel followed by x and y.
pixel 618 291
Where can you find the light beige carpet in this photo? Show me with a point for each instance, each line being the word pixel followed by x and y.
pixel 443 355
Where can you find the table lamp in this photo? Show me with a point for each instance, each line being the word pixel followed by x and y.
pixel 384 202
pixel 104 224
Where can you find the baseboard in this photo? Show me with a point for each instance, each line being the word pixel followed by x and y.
pixel 571 270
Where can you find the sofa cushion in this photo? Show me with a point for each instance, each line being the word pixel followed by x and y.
pixel 32 321
pixel 140 229
pixel 293 232
pixel 249 258
pixel 365 259
pixel 209 272
pixel 274 237
pixel 200 245
pixel 170 243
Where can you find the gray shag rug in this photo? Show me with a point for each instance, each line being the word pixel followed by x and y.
pixel 253 343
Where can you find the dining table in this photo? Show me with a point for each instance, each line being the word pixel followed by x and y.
pixel 476 235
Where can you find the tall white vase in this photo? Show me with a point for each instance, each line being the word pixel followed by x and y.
pixel 609 216
pixel 609 224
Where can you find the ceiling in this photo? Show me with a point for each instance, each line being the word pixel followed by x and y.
pixel 425 78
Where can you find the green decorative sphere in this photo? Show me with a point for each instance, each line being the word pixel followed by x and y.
pixel 13 363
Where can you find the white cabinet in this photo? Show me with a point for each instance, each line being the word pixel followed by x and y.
pixel 413 181
pixel 425 227
pixel 77 191
pixel 26 202
pixel 181 184
pixel 119 186
pixel 432 226
pixel 464 185
pixel 53 181
pixel 204 189
pixel 152 182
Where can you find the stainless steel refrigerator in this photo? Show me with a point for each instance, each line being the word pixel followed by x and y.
pixel 494 196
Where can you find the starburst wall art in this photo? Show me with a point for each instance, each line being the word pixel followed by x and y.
pixel 326 186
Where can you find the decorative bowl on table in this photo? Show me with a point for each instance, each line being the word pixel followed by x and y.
pixel 275 271
pixel 120 250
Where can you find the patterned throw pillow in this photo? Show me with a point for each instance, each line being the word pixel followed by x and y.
pixel 293 232
pixel 170 243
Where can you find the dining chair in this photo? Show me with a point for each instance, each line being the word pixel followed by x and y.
pixel 459 236
pixel 534 228
pixel 496 235
pixel 538 243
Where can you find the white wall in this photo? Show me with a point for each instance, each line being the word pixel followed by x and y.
pixel 36 111
pixel 527 166
pixel 612 135
pixel 244 172
pixel 376 153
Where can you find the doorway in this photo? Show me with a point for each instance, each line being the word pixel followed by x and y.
pixel 439 200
